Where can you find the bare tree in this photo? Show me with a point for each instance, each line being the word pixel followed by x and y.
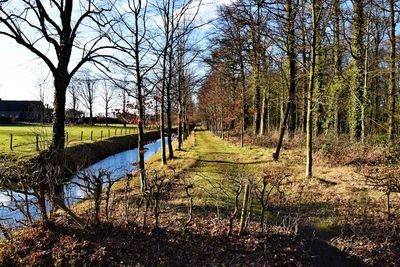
pixel 392 79
pixel 108 96
pixel 87 92
pixel 134 39
pixel 178 18
pixel 124 98
pixel 74 94
pixel 48 28
pixel 42 91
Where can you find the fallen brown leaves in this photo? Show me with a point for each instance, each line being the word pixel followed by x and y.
pixel 121 244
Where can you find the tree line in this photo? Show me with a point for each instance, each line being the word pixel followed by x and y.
pixel 312 66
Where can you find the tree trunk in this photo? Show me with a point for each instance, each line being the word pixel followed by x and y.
pixel 256 40
pixel 392 79
pixel 164 85
pixel 124 108
pixel 243 115
pixel 357 81
pixel 181 80
pixel 58 141
pixel 320 116
pixel 142 169
pixel 291 53
pixel 365 87
pixel 107 116
pixel 162 131
pixel 243 216
pixel 263 114
pixel 91 115
pixel 42 204
pixel 256 122
pixel 305 80
pixel 275 155
pixel 315 5
pixel 180 139
pixel 185 122
pixel 338 67
pixel 169 113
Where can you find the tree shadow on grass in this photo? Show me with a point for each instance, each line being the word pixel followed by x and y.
pixel 322 253
pixel 234 162
pixel 130 246
pixel 199 245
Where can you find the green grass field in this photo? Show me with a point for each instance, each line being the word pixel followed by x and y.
pixel 24 136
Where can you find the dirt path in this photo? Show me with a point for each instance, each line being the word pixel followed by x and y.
pixel 219 167
pixel 215 155
pixel 217 162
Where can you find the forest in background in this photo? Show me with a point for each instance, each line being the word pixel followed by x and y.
pixel 322 68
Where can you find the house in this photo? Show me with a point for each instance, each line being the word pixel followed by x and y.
pixel 15 110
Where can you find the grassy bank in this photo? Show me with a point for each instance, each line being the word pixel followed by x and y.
pixel 82 155
pixel 24 136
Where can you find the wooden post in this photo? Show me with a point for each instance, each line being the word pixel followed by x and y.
pixel 108 132
pixel 91 135
pixel 11 142
pixel 101 135
pixel 121 131
pixel 244 209
pixel 115 132
pixel 37 142
pixel 81 136
pixel 66 138
pixel 125 130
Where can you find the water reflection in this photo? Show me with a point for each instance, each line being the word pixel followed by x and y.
pixel 119 165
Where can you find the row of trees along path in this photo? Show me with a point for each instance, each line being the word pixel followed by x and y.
pixel 117 39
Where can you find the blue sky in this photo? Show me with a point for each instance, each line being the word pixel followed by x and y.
pixel 21 71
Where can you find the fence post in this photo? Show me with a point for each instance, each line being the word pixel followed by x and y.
pixel 108 132
pixel 243 216
pixel 66 138
pixel 101 135
pixel 91 135
pixel 81 136
pixel 125 130
pixel 121 131
pixel 37 142
pixel 11 142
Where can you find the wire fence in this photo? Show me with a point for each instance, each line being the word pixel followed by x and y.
pixel 38 139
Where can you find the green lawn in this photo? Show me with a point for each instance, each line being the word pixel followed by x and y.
pixel 24 136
